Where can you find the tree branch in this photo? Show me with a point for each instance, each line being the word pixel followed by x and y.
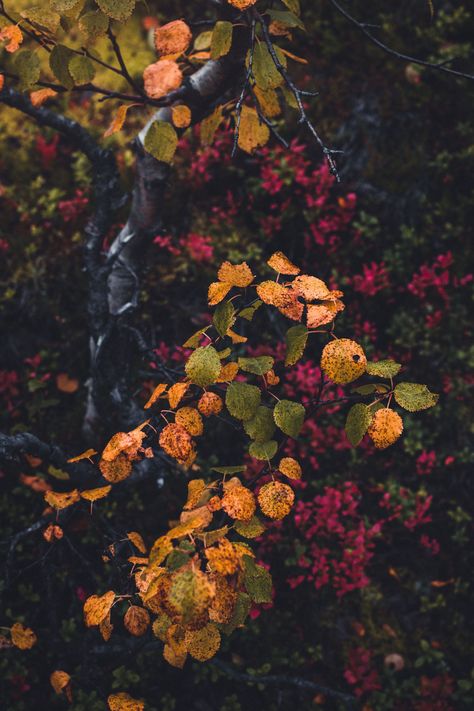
pixel 362 27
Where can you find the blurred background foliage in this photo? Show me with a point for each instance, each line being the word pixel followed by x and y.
pixel 373 574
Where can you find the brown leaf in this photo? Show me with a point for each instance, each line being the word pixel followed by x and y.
pixel 59 680
pixel 136 620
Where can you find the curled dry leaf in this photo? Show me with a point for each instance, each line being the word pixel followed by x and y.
pixel 23 637
pixel 59 680
pixel 136 620
pixel 38 98
pixel 62 501
pixel 176 442
pixel 210 404
pixel 52 532
pixel 173 38
pixel 118 120
pixel 322 314
pixel 159 390
pixel 137 541
pixel 13 36
pixel 97 607
pixel 281 264
pixel 162 77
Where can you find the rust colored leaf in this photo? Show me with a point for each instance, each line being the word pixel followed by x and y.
pixel 181 116
pixel 23 637
pixel 118 120
pixel 38 98
pixel 13 36
pixel 173 38
pixel 162 77
pixel 136 620
pixel 59 680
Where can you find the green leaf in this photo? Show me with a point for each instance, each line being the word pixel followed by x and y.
pixel 94 24
pixel 62 5
pixel 265 72
pixel 358 420
pixel 117 9
pixel 81 69
pixel 242 400
pixel 249 312
pixel 58 473
pixel 225 353
pixel 414 396
pixel 221 41
pixel 176 560
pixel 293 6
pixel 224 317
pixel 296 338
pixel 384 368
pixel 257 581
pixel 58 61
pixel 289 416
pixel 161 141
pixel 250 529
pixel 27 66
pixel 203 366
pixel 289 19
pixel 229 470
pixel 258 365
pixel 239 614
pixel 43 18
pixel 194 340
pixel 261 427
pixel 263 450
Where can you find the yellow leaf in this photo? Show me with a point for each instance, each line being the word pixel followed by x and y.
pixel 204 643
pixel 124 702
pixel 294 57
pixel 235 274
pixel 210 404
pixel 176 394
pixel 239 503
pixel 97 607
pixel 95 494
pixel 191 420
pixel 276 499
pixel 290 468
pixel 281 264
pixel 85 455
pixel 61 501
pixel 176 442
pixel 343 361
pixel 253 133
pixel 242 4
pixel 386 427
pixel 218 290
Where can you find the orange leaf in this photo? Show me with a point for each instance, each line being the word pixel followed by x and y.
pixel 294 57
pixel 176 442
pixel 137 541
pixel 59 680
pixel 136 620
pixel 23 637
pixel 242 4
pixel 2 81
pixel 181 116
pixel 218 290
pixel 162 77
pixel 13 36
pixel 176 394
pixel 119 120
pixel 124 702
pixel 117 470
pixel 38 98
pixel 35 482
pixel 65 383
pixel 159 390
pixel 172 38
pixel 52 532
